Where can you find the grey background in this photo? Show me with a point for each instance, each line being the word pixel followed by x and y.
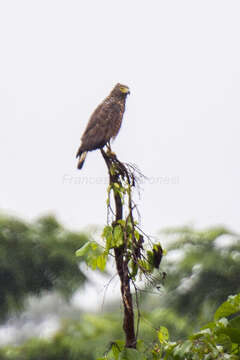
pixel 181 60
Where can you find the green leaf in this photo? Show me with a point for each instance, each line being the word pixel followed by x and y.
pixel 225 341
pixel 131 354
pixel 118 236
pixel 94 245
pixel 107 234
pixel 92 262
pixel 116 351
pixel 107 231
pixel 84 249
pixel 233 333
pixel 121 344
pixel 122 222
pixel 101 262
pixel 229 307
pixel 235 322
pixel 210 325
pixel 150 260
pixel 202 333
pixel 112 170
pixel 156 246
pixel 134 268
pixel 136 234
pixel 184 348
pixel 145 265
pixel 163 335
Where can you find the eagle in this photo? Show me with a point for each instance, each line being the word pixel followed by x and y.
pixel 104 124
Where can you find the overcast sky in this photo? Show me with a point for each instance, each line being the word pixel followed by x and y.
pixel 181 60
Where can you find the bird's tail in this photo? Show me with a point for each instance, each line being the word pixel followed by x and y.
pixel 82 157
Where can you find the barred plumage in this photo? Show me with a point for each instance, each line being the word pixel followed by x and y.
pixel 104 124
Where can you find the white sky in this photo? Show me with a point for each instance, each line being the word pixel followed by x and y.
pixel 181 60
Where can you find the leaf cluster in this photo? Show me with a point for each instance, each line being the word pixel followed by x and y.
pixel 219 339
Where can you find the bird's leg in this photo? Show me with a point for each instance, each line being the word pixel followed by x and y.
pixel 109 150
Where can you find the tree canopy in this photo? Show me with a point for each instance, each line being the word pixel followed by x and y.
pixel 184 319
pixel 36 257
pixel 203 268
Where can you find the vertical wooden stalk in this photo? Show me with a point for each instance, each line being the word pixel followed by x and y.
pixel 121 260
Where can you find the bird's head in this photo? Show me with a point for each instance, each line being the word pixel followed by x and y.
pixel 121 90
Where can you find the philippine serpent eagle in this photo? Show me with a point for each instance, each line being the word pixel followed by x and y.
pixel 104 124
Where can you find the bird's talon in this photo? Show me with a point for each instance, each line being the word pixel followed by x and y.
pixel 110 153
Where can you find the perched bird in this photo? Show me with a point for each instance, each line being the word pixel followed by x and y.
pixel 104 124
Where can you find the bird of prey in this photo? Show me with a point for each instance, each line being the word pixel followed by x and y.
pixel 104 124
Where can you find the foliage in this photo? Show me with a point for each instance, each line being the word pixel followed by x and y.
pixel 202 268
pixel 96 255
pixel 86 339
pixel 94 338
pixel 219 339
pixel 209 263
pixel 36 257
